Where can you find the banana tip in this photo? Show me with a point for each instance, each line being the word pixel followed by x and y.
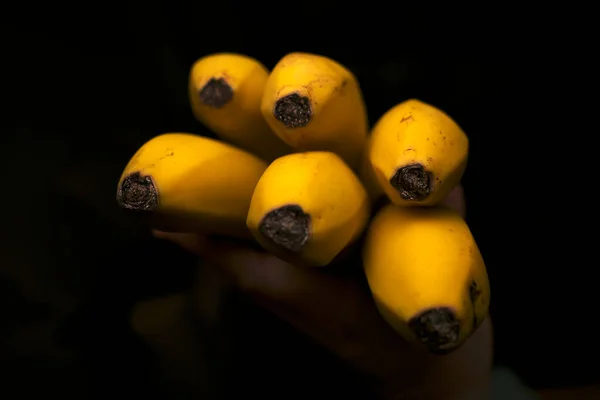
pixel 287 226
pixel 216 93
pixel 412 182
pixel 293 110
pixel 137 193
pixel 474 291
pixel 437 328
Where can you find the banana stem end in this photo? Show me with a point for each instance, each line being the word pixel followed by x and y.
pixel 412 182
pixel 437 328
pixel 293 111
pixel 137 193
pixel 287 226
pixel 216 93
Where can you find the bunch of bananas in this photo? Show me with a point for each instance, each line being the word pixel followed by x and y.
pixel 297 170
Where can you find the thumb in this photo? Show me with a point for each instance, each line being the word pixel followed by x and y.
pixel 255 272
pixel 192 242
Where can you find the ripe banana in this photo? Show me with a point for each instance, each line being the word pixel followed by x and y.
pixel 187 183
pixel 417 154
pixel 307 207
pixel 426 275
pixel 225 92
pixel 315 104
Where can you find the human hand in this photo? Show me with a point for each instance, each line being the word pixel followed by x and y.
pixel 339 313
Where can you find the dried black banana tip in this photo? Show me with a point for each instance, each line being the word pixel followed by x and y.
pixel 216 93
pixel 287 226
pixel 137 193
pixel 293 111
pixel 437 328
pixel 474 293
pixel 412 182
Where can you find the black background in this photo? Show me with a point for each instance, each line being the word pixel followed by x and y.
pixel 86 87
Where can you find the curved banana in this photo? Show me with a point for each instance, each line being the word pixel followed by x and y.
pixel 427 275
pixel 186 183
pixel 417 154
pixel 307 207
pixel 315 104
pixel 225 92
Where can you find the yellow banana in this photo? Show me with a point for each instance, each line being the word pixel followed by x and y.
pixel 417 154
pixel 315 104
pixel 307 207
pixel 185 183
pixel 426 274
pixel 225 92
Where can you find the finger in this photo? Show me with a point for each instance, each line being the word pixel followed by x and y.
pixel 340 315
pixel 252 270
pixel 192 242
pixel 336 312
pixel 257 273
pixel 456 200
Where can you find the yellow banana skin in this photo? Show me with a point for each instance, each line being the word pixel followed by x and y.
pixel 186 183
pixel 427 275
pixel 225 91
pixel 315 104
pixel 417 154
pixel 308 207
